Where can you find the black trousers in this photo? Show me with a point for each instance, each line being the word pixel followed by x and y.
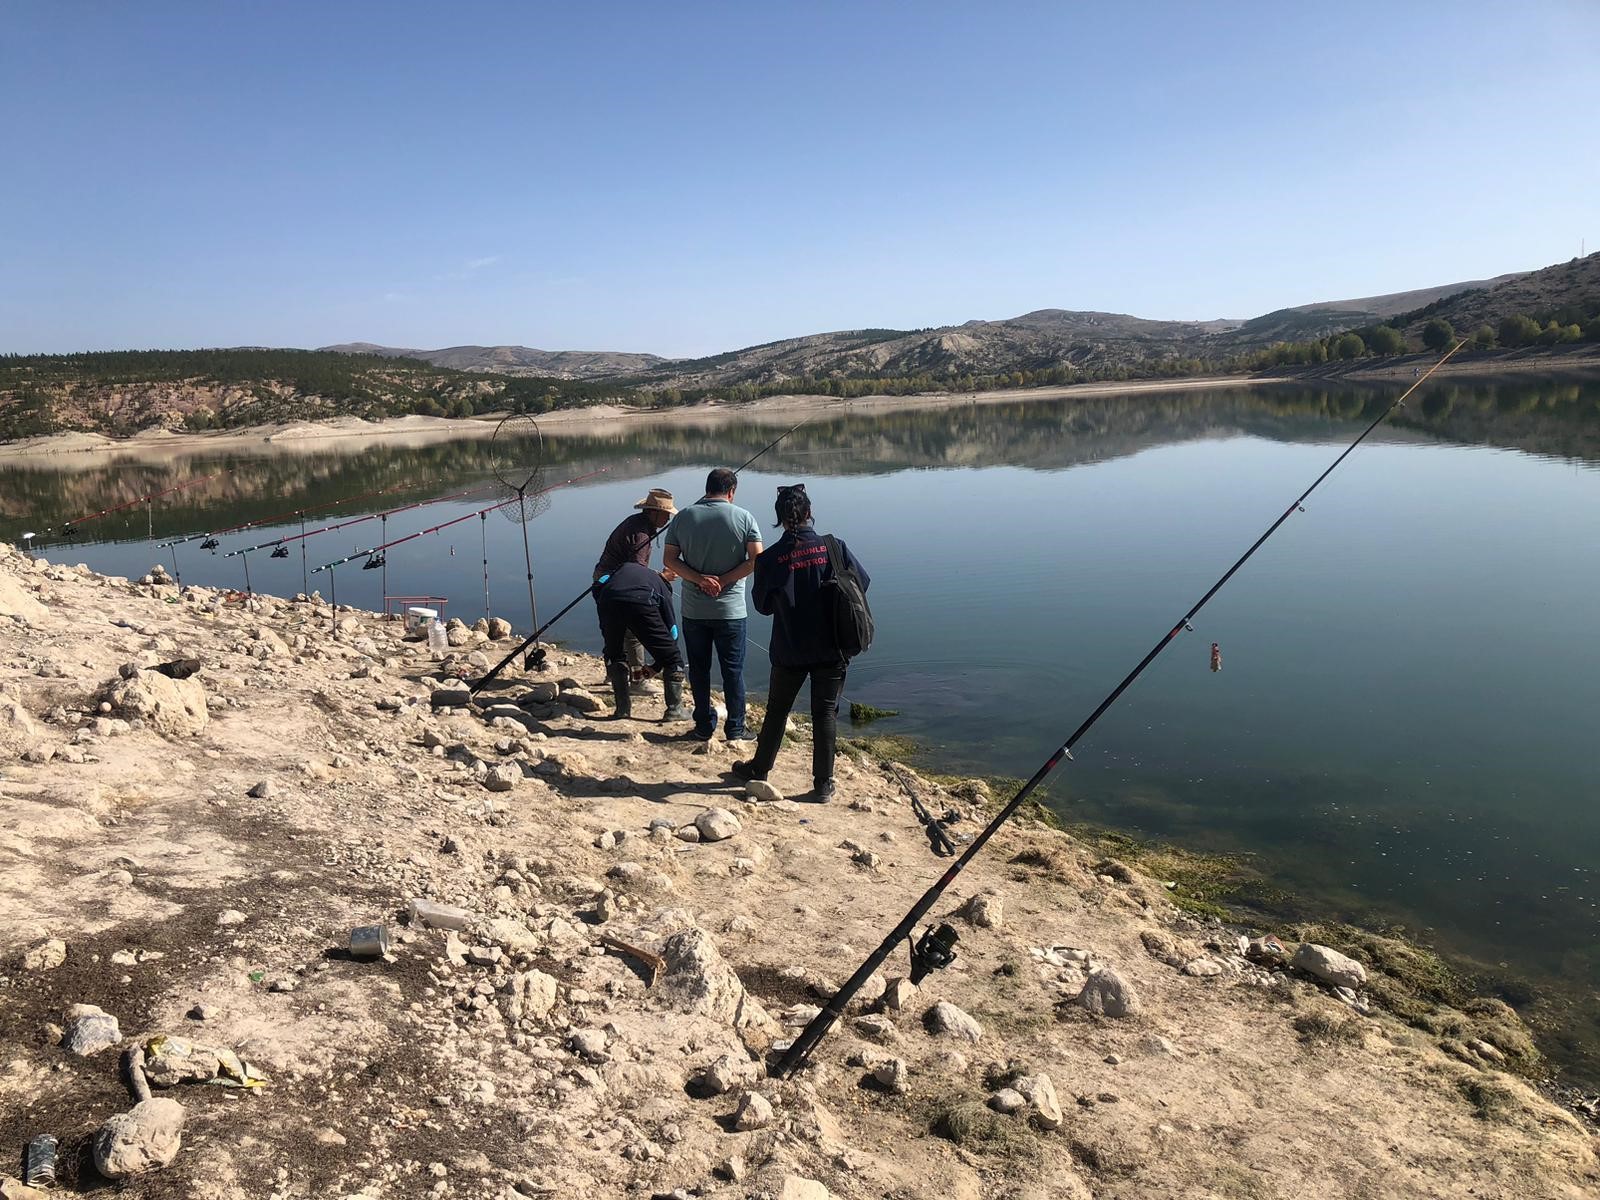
pixel 827 683
pixel 619 618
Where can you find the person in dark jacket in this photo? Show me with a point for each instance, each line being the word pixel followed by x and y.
pixel 631 541
pixel 788 586
pixel 634 599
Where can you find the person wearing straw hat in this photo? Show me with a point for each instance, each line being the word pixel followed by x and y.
pixel 629 542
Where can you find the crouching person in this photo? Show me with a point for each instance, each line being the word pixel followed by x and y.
pixel 789 585
pixel 634 599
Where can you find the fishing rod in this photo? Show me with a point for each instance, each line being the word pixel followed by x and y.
pixel 283 516
pixel 376 556
pixel 380 548
pixel 936 946
pixel 212 535
pixel 533 637
pixel 68 528
pixel 384 515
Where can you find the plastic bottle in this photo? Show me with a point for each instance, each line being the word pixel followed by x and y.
pixel 438 640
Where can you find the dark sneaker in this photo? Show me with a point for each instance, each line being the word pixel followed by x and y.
pixel 747 771
pixel 694 735
pixel 820 794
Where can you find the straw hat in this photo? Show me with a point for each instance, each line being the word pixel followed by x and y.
pixel 659 499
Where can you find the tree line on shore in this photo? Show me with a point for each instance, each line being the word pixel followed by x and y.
pixel 266 385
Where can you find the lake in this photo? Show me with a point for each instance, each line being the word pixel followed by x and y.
pixel 1404 729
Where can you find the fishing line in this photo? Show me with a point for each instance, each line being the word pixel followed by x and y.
pixel 518 447
pixel 533 637
pixel 936 947
pixel 483 537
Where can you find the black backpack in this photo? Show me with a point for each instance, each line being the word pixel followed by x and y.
pixel 852 618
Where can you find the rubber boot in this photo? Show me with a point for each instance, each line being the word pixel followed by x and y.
pixel 672 691
pixel 617 674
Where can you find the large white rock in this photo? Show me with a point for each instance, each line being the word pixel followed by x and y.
pixel 16 602
pixel 754 1112
pixel 1328 965
pixel 1041 1094
pixel 44 956
pixel 1109 994
pixel 699 980
pixel 723 1075
pixel 145 1138
pixel 503 777
pixel 176 707
pixel 946 1018
pixel 984 910
pixel 17 730
pixel 533 995
pixel 90 1029
pixel 716 825
pixel 797 1187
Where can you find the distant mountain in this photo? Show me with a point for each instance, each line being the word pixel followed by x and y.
pixel 1054 341
pixel 1333 316
pixel 1568 291
pixel 517 360
pixel 1100 342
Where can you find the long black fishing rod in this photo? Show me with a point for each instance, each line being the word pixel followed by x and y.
pixel 284 516
pixel 533 638
pixel 376 556
pixel 935 947
pixel 211 535
pixel 345 524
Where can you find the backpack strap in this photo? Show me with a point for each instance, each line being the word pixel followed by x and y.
pixel 835 556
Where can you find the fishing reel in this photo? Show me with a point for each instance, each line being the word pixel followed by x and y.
pixel 210 544
pixel 933 951
pixel 373 562
pixel 534 661
pixel 280 552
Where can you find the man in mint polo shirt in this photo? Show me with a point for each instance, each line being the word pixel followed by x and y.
pixel 713 544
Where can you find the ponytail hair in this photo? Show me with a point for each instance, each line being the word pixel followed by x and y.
pixel 793 506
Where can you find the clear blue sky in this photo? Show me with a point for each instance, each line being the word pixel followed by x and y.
pixel 688 178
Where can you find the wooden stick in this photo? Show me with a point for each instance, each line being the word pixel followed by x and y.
pixel 649 958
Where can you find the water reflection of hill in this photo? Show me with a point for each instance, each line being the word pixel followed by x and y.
pixel 1559 419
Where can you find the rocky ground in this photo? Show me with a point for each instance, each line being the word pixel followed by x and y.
pixel 598 940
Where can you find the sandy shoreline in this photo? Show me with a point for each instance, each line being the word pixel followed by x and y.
pixel 355 434
pixel 308 785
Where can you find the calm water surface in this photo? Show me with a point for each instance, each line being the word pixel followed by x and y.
pixel 1404 729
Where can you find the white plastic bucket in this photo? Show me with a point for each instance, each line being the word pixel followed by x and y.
pixel 419 616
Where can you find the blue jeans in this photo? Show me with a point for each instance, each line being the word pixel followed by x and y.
pixel 727 637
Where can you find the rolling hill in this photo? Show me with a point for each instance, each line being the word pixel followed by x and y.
pixel 516 360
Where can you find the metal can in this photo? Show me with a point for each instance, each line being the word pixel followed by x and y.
pixel 39 1163
pixel 369 941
